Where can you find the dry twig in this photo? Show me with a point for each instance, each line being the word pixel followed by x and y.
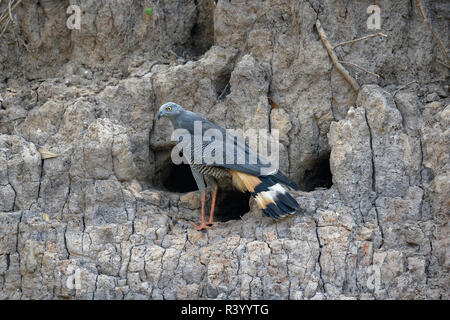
pixel 404 86
pixel 5 27
pixel 8 16
pixel 223 91
pixel 445 65
pixel 379 34
pixel 334 59
pixel 360 68
pixel 436 38
pixel 10 10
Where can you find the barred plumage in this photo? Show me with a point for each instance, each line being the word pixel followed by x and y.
pixel 215 172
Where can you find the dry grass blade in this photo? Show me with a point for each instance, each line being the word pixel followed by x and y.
pixel 45 154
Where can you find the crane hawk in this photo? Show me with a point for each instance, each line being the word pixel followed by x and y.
pixel 269 194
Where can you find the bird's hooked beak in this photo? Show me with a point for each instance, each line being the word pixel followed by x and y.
pixel 159 115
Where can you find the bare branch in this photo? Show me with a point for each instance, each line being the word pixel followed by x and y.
pixel 334 59
pixel 436 38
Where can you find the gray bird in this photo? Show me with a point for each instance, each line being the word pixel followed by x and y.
pixel 271 197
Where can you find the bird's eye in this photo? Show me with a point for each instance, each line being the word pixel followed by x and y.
pixel 169 108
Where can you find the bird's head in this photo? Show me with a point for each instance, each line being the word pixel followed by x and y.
pixel 169 109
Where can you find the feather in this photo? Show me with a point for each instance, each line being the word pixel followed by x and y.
pixel 270 196
pixel 243 181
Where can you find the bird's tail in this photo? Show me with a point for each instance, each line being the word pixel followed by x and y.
pixel 271 196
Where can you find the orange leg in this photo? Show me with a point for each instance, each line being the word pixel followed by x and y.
pixel 202 224
pixel 213 204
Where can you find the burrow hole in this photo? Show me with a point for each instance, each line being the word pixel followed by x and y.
pixel 318 176
pixel 230 204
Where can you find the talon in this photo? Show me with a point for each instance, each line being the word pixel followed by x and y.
pixel 201 226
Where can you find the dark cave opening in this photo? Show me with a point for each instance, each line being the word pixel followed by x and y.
pixel 179 179
pixel 319 176
pixel 231 205
pixel 169 176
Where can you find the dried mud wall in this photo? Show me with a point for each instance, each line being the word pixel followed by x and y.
pixel 92 208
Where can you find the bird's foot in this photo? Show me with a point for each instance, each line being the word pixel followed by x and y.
pixel 201 226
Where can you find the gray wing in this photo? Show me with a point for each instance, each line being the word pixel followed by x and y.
pixel 233 144
pixel 249 161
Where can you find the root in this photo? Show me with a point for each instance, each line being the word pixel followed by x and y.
pixel 436 38
pixel 334 59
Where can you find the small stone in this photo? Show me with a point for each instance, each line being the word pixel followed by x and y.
pixel 422 91
pixel 191 200
pixel 432 97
